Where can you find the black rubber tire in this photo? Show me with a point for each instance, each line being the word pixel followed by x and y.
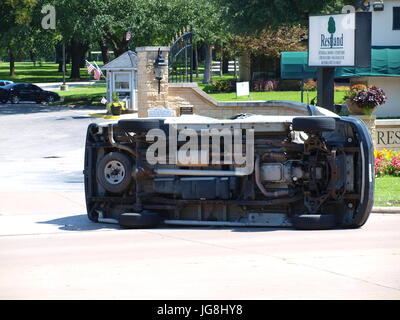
pixel 15 99
pixel 145 219
pixel 140 125
pixel 314 221
pixel 50 99
pixel 314 124
pixel 126 163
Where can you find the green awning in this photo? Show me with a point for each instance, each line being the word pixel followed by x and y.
pixel 385 62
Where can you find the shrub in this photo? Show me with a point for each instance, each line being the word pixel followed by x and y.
pixel 289 85
pixel 260 85
pixel 310 85
pixel 221 86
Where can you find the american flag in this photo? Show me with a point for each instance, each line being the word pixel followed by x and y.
pixel 97 74
pixel 89 66
pixel 97 71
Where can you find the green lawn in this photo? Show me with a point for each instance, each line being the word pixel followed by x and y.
pixel 88 95
pixel 387 191
pixel 47 72
pixel 275 95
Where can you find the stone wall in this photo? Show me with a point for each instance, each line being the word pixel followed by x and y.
pixel 148 95
pixel 387 134
pixel 192 99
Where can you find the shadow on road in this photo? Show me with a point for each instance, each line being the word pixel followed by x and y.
pixel 13 109
pixel 232 229
pixel 82 223
pixel 79 223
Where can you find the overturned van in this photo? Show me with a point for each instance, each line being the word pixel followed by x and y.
pixel 306 172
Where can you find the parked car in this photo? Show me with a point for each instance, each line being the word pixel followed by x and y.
pixel 5 82
pixel 310 172
pixel 16 92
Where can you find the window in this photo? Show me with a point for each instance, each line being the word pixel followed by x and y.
pixel 396 18
pixel 121 81
pixel 34 88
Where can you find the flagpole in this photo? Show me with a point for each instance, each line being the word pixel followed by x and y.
pixel 63 87
pixel 98 69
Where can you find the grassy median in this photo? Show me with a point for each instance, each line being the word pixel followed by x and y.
pixel 387 191
pixel 84 95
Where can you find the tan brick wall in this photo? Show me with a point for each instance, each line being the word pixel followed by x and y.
pixel 189 95
pixel 148 96
pixel 387 134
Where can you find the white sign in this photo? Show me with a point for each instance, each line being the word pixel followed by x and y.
pixel 331 40
pixel 160 112
pixel 242 89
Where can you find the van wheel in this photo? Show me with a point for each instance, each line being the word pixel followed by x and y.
pixel 145 219
pixel 114 172
pixel 314 221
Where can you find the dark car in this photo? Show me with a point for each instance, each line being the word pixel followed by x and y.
pixel 17 92
pixel 5 82
pixel 313 171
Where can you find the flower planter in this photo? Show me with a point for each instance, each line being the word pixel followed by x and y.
pixel 354 108
pixel 116 108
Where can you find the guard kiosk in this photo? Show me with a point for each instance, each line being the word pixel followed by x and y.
pixel 122 78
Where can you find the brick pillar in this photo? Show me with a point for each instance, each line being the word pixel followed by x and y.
pixel 369 120
pixel 148 96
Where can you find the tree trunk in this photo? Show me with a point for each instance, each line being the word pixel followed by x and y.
pixel 77 51
pixel 220 65
pixel 225 64
pixel 33 57
pixel 12 62
pixel 59 56
pixel 104 53
pixel 119 46
pixel 207 63
pixel 244 67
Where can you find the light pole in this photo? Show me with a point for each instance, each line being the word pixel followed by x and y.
pixel 63 87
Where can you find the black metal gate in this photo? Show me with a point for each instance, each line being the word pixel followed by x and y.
pixel 180 64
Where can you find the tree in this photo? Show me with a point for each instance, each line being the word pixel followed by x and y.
pixel 331 28
pixel 15 23
pixel 270 42
pixel 76 24
pixel 252 16
pixel 156 22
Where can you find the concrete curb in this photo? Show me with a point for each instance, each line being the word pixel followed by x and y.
pixel 386 210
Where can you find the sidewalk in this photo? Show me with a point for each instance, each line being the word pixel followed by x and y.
pixel 42 202
pixel 386 210
pixel 56 85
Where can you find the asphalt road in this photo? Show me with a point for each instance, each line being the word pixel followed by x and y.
pixel 41 147
pixel 50 250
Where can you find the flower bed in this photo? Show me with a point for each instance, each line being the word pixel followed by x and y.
pixel 387 162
